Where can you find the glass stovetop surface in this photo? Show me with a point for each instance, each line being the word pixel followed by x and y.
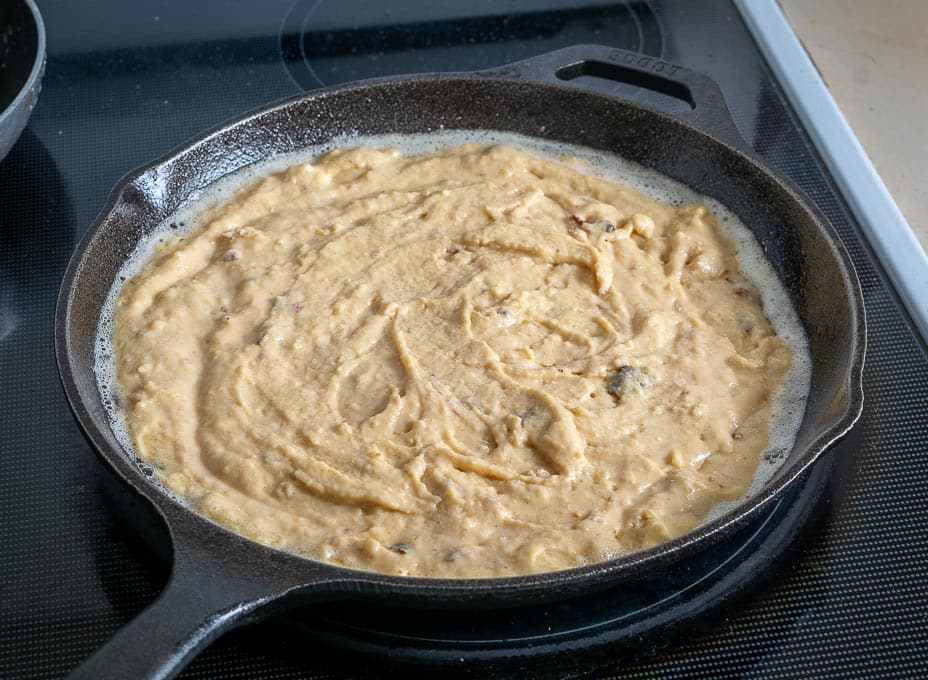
pixel 127 82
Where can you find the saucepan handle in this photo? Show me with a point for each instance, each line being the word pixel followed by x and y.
pixel 707 108
pixel 211 590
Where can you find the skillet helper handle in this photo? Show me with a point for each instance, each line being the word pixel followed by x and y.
pixel 707 111
pixel 203 598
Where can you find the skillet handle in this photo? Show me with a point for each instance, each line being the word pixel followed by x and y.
pixel 203 598
pixel 707 108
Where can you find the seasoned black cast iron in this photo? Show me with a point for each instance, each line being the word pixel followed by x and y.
pixel 219 579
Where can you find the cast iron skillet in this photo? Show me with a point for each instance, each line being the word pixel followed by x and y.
pixel 22 63
pixel 219 579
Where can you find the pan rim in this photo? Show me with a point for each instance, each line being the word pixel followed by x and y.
pixel 172 509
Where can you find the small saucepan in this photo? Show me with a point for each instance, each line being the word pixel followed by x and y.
pixel 220 580
pixel 22 64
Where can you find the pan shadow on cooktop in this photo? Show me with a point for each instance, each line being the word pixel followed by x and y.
pixel 46 501
pixel 37 217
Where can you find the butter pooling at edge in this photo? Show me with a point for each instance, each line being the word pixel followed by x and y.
pixel 788 400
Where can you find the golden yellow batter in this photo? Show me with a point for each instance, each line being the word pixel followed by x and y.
pixel 473 362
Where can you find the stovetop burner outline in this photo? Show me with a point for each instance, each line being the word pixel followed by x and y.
pixel 300 62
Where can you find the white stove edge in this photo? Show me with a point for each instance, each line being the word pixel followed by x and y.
pixel 874 208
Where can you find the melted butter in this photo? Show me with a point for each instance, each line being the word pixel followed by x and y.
pixel 471 362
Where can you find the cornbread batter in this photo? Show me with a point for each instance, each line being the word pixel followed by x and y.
pixel 470 362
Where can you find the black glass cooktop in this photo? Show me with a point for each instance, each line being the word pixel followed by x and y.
pixel 845 596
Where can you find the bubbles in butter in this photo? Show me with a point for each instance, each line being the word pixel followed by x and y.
pixel 789 400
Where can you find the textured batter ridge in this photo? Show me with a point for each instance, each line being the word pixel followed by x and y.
pixel 471 362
